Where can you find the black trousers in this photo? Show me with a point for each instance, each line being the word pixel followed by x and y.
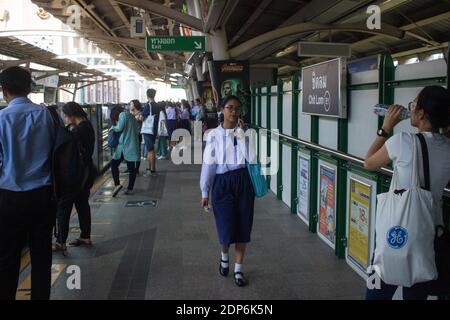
pixel 132 172
pixel 26 216
pixel 81 202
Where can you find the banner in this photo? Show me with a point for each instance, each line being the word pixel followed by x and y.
pixel 358 229
pixel 303 188
pixel 327 185
pixel 232 78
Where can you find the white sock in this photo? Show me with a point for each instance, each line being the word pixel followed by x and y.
pixel 238 268
pixel 224 258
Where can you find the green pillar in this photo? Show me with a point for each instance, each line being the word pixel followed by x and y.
pixel 313 216
pixel 341 201
pixel 268 126
pixel 386 73
pixel 280 145
pixel 294 160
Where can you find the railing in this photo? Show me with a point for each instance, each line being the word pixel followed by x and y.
pixel 337 154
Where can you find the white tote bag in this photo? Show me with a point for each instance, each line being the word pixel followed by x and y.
pixel 162 129
pixel 149 122
pixel 405 231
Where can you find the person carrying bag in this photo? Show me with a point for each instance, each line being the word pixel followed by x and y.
pixel 405 231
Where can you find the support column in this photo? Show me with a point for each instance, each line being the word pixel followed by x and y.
pixel 218 42
pixel 199 73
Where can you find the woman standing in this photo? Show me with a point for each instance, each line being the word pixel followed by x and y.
pixel 128 150
pixel 135 109
pixel 83 132
pixel 185 117
pixel 161 149
pixel 171 113
pixel 224 174
pixel 429 114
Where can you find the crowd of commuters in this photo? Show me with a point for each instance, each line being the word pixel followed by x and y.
pixel 34 203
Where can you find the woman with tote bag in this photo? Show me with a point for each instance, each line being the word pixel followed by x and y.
pixel 404 253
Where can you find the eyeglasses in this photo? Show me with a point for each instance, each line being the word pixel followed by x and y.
pixel 232 108
pixel 412 105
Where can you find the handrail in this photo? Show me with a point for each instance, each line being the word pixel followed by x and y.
pixel 337 154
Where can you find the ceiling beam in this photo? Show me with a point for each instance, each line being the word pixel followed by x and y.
pixel 166 12
pixel 307 27
pixel 255 15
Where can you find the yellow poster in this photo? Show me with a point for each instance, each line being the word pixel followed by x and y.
pixel 358 238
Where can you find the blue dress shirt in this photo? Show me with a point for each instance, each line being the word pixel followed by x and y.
pixel 26 140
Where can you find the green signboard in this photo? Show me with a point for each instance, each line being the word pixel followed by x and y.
pixel 175 43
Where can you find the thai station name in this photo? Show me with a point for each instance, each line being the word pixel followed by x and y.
pixel 157 43
pixel 318 82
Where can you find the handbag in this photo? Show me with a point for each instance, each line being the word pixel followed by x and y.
pixel 113 139
pixel 440 286
pixel 405 232
pixel 258 181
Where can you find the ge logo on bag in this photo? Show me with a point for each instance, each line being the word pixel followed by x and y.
pixel 397 237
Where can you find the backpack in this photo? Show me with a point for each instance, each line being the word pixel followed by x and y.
pixel 70 172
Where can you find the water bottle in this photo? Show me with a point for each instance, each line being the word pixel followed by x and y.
pixel 381 109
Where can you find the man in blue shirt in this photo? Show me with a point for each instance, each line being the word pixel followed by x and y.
pixel 27 210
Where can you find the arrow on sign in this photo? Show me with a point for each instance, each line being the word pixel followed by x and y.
pixel 197 45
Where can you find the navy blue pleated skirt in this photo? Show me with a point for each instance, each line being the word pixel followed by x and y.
pixel 233 201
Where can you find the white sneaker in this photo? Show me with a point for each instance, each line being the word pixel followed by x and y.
pixel 116 190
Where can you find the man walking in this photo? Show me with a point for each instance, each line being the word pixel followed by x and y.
pixel 150 118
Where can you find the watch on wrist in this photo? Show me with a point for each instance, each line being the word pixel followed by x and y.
pixel 382 133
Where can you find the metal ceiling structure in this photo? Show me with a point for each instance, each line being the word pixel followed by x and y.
pixel 263 31
pixel 27 53
pixel 107 23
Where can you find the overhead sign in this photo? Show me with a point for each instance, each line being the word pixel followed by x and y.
pixel 175 43
pixel 51 81
pixel 324 89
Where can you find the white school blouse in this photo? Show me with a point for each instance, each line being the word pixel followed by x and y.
pixel 226 150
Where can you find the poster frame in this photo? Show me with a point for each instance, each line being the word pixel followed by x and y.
pixel 306 157
pixel 334 168
pixel 373 185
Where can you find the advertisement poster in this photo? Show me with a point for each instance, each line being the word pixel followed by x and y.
pixel 326 205
pixel 206 93
pixel 232 78
pixel 358 231
pixel 303 188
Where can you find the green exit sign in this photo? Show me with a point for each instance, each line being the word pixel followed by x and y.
pixel 175 43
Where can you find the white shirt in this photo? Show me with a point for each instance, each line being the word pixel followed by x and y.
pixel 171 113
pixel 226 150
pixel 400 148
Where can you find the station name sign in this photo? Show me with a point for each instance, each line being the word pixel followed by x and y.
pixel 324 89
pixel 175 43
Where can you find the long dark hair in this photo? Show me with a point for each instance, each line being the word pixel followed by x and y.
pixel 435 102
pixel 114 114
pixel 137 105
pixel 73 109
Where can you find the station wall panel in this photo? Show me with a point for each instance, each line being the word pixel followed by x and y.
pixel 304 121
pixel 328 132
pixel 362 123
pixel 427 69
pixel 287 114
pixel 273 111
pixel 264 109
pixel 286 174
pixel 274 147
pixel 370 76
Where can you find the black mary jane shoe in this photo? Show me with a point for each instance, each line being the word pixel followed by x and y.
pixel 223 271
pixel 240 281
